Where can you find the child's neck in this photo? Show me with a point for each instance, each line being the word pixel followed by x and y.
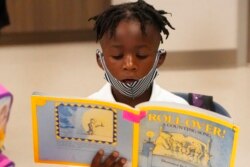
pixel 132 101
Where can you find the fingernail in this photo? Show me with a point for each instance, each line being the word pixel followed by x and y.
pixel 101 152
pixel 115 154
pixel 123 161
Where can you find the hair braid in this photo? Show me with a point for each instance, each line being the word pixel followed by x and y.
pixel 145 13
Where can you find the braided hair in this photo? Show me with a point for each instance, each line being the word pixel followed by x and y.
pixel 145 13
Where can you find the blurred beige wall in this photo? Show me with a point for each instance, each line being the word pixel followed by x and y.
pixel 200 24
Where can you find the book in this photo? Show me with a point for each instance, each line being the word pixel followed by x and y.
pixel 6 99
pixel 70 131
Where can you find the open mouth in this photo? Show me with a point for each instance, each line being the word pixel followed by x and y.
pixel 128 81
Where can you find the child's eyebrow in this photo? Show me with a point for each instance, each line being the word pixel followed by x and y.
pixel 116 46
pixel 121 46
pixel 141 46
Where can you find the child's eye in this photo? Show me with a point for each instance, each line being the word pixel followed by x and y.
pixel 117 57
pixel 141 55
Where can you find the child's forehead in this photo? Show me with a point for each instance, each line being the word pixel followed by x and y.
pixel 129 27
pixel 133 28
pixel 128 35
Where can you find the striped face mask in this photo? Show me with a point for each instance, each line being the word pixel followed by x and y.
pixel 136 88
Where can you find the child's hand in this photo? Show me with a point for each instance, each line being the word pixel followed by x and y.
pixel 113 160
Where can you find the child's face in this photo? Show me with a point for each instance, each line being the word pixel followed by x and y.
pixel 129 54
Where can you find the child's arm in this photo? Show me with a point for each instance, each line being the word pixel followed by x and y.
pixel 112 160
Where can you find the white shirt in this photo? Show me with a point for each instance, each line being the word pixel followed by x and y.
pixel 158 94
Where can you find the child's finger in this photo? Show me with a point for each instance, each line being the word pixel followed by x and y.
pixel 96 162
pixel 111 159
pixel 120 163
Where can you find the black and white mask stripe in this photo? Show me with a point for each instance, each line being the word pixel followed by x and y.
pixel 135 88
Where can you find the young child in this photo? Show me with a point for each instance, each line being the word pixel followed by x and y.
pixel 129 35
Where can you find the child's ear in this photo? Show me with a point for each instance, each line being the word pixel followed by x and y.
pixel 98 59
pixel 162 57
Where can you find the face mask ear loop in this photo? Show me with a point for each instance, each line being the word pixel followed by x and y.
pixel 101 59
pixel 159 53
pixel 99 53
pixel 107 74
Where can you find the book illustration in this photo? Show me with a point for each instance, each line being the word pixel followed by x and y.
pixel 85 123
pixel 178 146
pixel 92 125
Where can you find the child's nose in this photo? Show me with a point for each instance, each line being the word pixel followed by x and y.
pixel 129 63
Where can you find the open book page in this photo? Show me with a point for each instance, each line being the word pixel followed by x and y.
pixel 71 130
pixel 177 135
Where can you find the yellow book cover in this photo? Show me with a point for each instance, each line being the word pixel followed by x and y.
pixel 153 134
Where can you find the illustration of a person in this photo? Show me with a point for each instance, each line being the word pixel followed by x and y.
pixel 92 125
